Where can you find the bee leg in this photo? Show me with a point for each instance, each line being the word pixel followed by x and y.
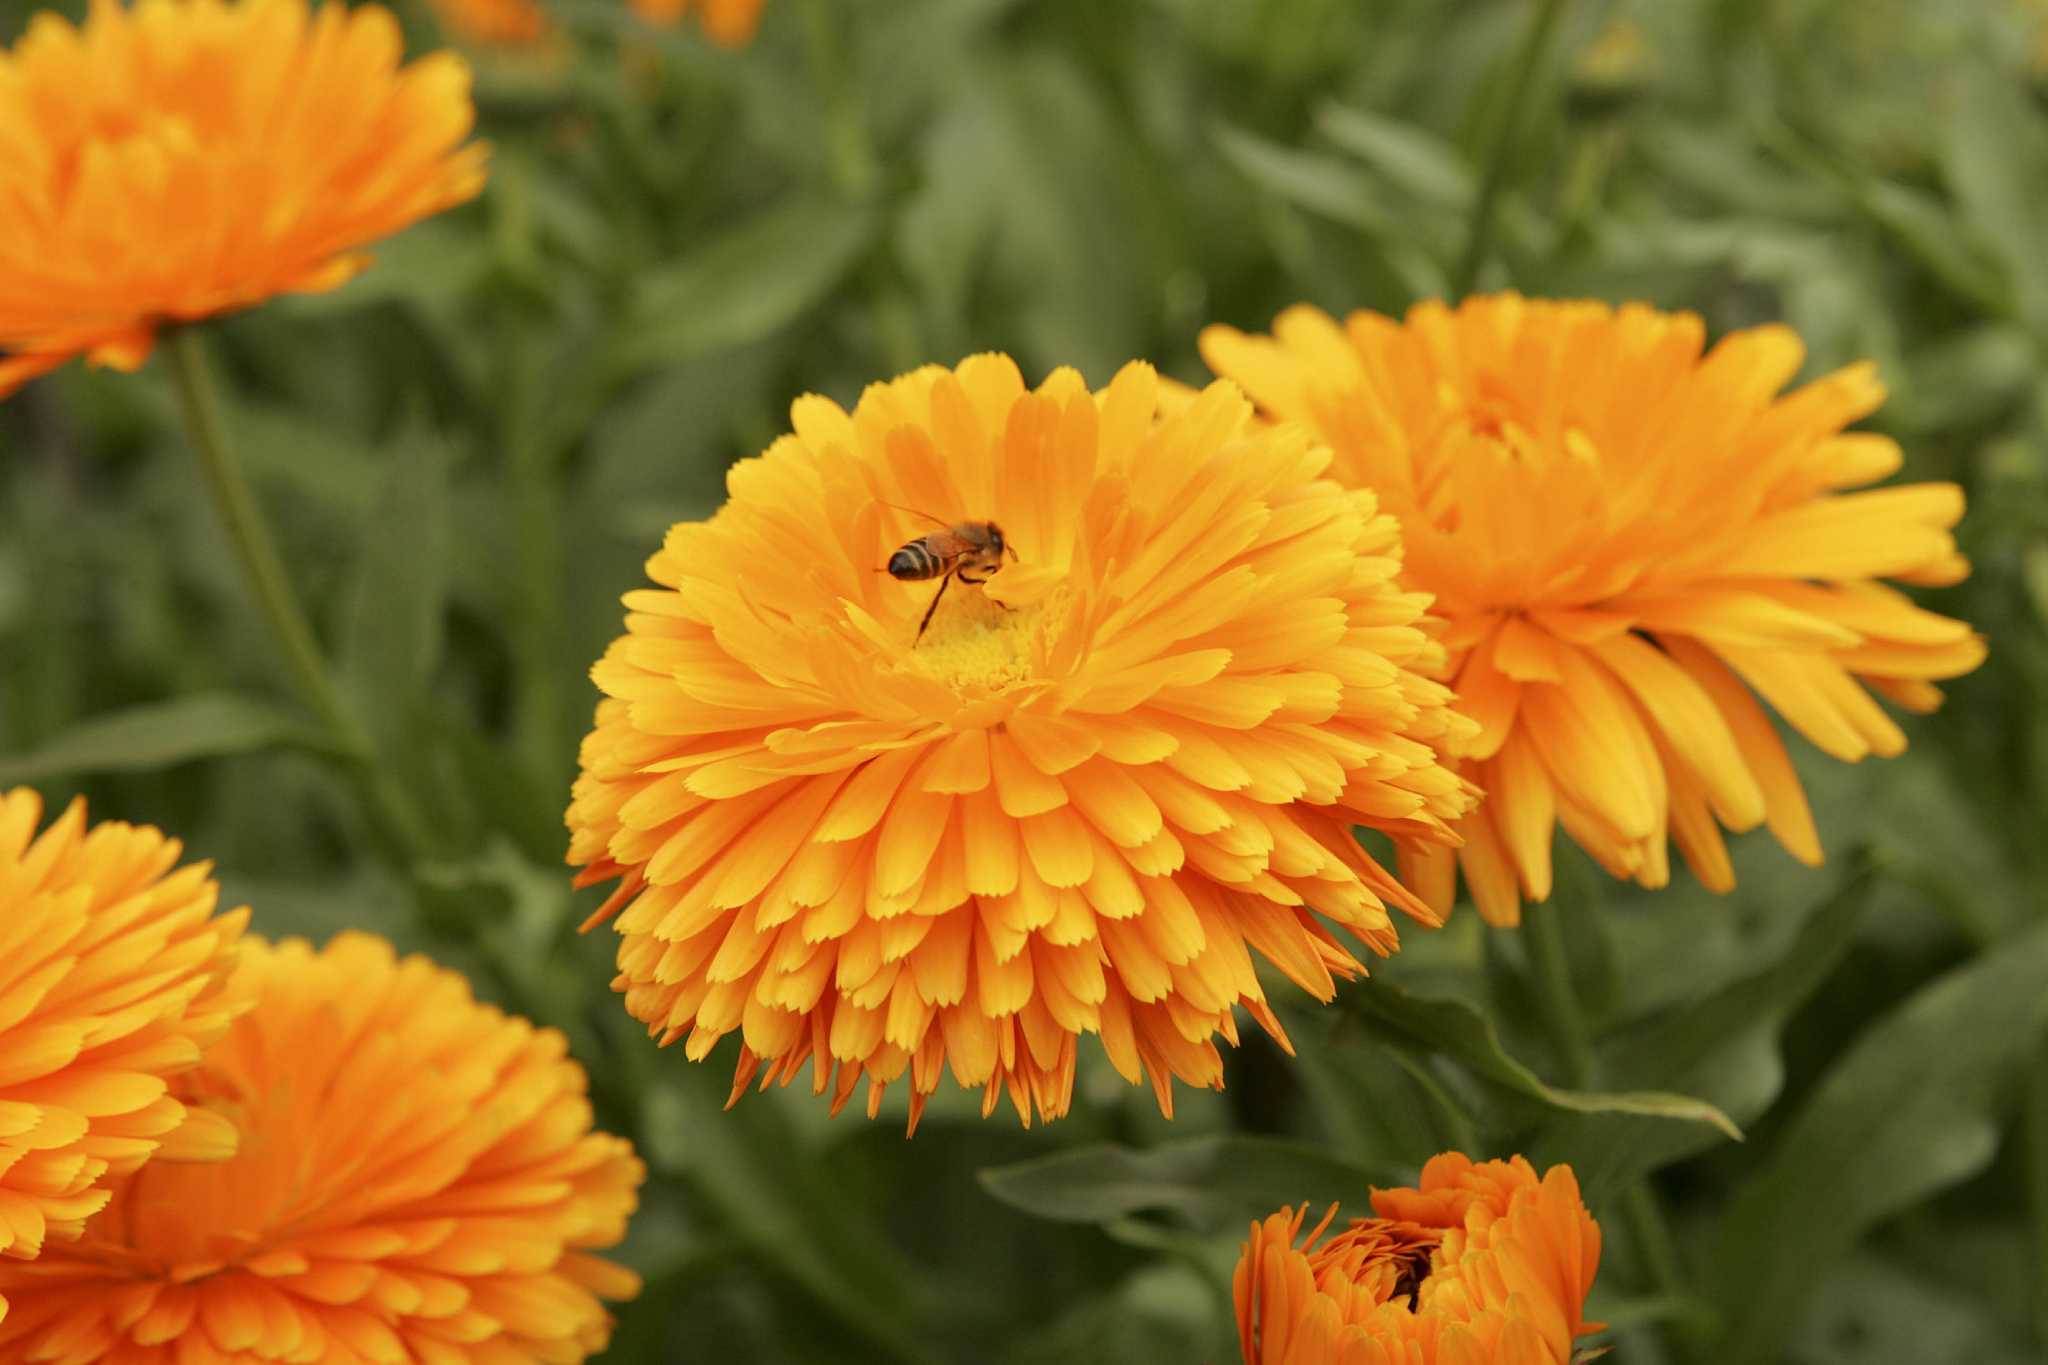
pixel 977 582
pixel 933 607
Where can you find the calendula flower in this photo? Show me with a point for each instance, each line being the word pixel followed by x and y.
pixel 729 23
pixel 1633 541
pixel 417 1181
pixel 1479 1264
pixel 192 157
pixel 1170 673
pixel 114 976
pixel 494 23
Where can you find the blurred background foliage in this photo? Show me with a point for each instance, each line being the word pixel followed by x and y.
pixel 471 450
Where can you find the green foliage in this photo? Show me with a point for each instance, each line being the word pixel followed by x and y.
pixel 1916 1106
pixel 1463 1033
pixel 471 450
pixel 1212 1184
pixel 150 737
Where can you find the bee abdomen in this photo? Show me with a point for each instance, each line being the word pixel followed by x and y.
pixel 914 561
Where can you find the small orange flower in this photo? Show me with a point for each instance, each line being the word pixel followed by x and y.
pixel 192 157
pixel 1480 1264
pixel 729 23
pixel 114 976
pixel 1629 538
pixel 1076 803
pixel 494 23
pixel 417 1181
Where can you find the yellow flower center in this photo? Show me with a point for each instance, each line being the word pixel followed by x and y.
pixel 978 646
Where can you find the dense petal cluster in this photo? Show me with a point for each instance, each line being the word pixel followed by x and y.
pixel 417 1181
pixel 115 974
pixel 1480 1264
pixel 1633 539
pixel 191 157
pixel 1073 804
pixel 729 23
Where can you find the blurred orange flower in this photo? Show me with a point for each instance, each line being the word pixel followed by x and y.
pixel 192 157
pixel 1629 538
pixel 1480 1264
pixel 1072 805
pixel 114 975
pixel 493 23
pixel 729 23
pixel 417 1181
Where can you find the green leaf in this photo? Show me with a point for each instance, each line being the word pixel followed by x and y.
pixel 1972 375
pixel 747 284
pixel 1928 228
pixel 1995 156
pixel 1459 1031
pixel 1723 1048
pixel 1214 1184
pixel 1310 180
pixel 1914 1108
pixel 1733 173
pixel 1163 1312
pixel 430 263
pixel 1030 176
pixel 1870 1311
pixel 781 1200
pixel 289 450
pixel 1410 158
pixel 1381 1102
pixel 146 738
pixel 393 634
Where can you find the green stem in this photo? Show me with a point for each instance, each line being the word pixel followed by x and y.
pixel 264 570
pixel 1550 972
pixel 1651 1232
pixel 1485 207
pixel 2036 1122
pixel 853 155
pixel 539 708
pixel 855 168
pixel 1543 937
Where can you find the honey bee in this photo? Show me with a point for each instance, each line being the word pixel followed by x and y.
pixel 969 551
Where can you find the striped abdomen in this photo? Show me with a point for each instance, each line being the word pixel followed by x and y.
pixel 917 560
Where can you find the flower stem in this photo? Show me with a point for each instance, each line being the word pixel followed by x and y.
pixel 1543 936
pixel 855 168
pixel 846 131
pixel 1507 125
pixel 264 570
pixel 1550 970
pixel 540 705
pixel 2036 1129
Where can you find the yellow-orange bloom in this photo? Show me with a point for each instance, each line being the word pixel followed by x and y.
pixel 1632 541
pixel 114 976
pixel 729 23
pixel 493 23
pixel 1072 804
pixel 1480 1264
pixel 417 1181
pixel 192 157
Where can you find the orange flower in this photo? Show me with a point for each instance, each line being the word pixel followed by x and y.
pixel 192 157
pixel 1629 538
pixel 729 23
pixel 1479 1265
pixel 417 1181
pixel 494 23
pixel 1067 807
pixel 114 974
